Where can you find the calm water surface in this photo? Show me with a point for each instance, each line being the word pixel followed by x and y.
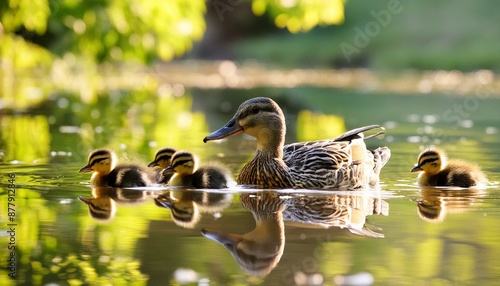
pixel 67 233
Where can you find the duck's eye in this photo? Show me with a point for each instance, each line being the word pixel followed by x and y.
pixel 255 109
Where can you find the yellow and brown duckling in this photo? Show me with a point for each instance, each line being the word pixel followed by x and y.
pixel 340 163
pixel 106 171
pixel 186 173
pixel 436 170
pixel 162 161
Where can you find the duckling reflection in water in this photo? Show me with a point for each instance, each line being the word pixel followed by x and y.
pixel 435 204
pixel 340 163
pixel 106 172
pixel 436 170
pixel 258 251
pixel 102 204
pixel 186 206
pixel 186 173
pixel 162 161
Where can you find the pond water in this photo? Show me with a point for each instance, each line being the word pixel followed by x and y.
pixel 67 233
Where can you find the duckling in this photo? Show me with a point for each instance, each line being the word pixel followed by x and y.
pixel 340 163
pixel 436 170
pixel 185 173
pixel 106 172
pixel 162 160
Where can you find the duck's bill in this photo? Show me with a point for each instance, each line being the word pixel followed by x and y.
pixel 416 169
pixel 152 164
pixel 168 171
pixel 228 240
pixel 85 169
pixel 231 128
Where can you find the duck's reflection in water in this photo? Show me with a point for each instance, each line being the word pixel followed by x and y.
pixel 336 210
pixel 104 200
pixel 435 203
pixel 259 251
pixel 186 206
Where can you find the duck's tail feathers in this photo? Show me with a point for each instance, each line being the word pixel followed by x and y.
pixel 381 156
pixel 357 133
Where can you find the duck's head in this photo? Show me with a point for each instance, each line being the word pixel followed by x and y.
pixel 182 163
pixel 101 161
pixel 259 117
pixel 162 158
pixel 430 161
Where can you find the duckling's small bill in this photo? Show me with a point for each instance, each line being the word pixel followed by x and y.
pixel 86 169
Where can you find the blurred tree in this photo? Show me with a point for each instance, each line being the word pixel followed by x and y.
pixel 301 15
pixel 138 30
pixel 105 30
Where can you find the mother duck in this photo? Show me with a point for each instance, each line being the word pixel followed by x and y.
pixel 340 163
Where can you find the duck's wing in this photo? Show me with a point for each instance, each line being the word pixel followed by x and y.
pixel 323 165
pixel 340 163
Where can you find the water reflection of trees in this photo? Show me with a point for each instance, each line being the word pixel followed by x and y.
pixel 134 121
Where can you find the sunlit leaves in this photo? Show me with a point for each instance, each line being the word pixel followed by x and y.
pixel 32 15
pixel 140 30
pixel 130 30
pixel 16 53
pixel 301 15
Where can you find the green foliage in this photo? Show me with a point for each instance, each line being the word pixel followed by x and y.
pixel 135 30
pixel 105 30
pixel 301 15
pixel 29 14
pixel 127 30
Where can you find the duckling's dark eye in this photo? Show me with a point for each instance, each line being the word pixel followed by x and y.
pixel 255 109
